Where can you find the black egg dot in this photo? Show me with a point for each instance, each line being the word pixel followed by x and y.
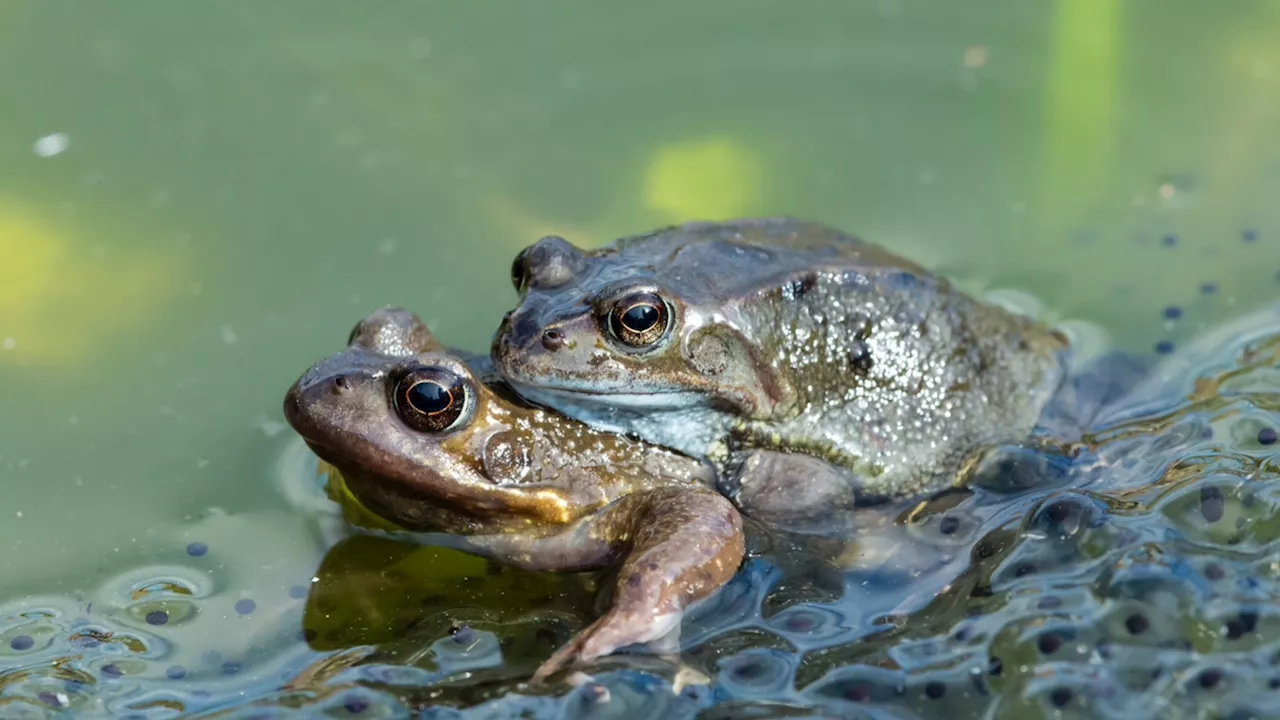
pixel 1214 571
pixel 1212 504
pixel 157 617
pixel 545 636
pixel 356 705
pixel 1209 679
pixel 463 635
pixel 1049 643
pixel 1024 569
pixel 995 666
pixel 1274 683
pixel 1249 235
pixel 748 669
pixel 175 672
pixel 1058 511
pixel 112 670
pixel 857 693
pixel 1267 436
pixel 1169 240
pixel 49 699
pixel 1209 288
pixel 1244 624
pixel 1173 312
pixel 245 606
pixel 1164 347
pixel 1061 696
pixel 197 549
pixel 1049 602
pixel 1136 624
pixel 22 642
pixel 935 690
pixel 799 622
pixel 1249 620
pixel 948 525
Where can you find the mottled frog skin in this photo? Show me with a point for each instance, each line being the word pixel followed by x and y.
pixel 433 444
pixel 722 340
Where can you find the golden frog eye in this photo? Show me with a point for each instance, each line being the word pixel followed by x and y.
pixel 640 320
pixel 431 399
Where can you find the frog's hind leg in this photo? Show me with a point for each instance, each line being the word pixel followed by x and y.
pixel 680 544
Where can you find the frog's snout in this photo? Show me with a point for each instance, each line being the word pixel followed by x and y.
pixel 293 406
pixel 520 333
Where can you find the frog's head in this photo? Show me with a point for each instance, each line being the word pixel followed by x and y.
pixel 650 324
pixel 419 439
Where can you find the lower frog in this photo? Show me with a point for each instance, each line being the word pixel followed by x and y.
pixel 433 443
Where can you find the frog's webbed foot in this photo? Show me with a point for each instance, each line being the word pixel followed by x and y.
pixel 794 492
pixel 682 545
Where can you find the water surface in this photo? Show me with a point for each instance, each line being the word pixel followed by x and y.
pixel 197 200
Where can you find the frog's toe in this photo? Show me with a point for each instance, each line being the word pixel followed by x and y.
pixel 620 629
pixel 612 632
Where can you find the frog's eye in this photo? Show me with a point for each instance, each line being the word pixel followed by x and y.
pixel 640 320
pixel 431 399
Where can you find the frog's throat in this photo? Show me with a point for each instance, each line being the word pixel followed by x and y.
pixel 682 421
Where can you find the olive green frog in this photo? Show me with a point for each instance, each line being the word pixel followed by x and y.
pixel 435 443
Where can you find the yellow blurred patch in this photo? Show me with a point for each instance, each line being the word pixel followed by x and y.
pixel 711 179
pixel 61 298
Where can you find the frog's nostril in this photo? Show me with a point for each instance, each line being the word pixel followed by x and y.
pixel 341 384
pixel 553 340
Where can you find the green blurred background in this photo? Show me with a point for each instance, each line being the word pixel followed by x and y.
pixel 199 199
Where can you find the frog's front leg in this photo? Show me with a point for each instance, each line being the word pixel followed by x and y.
pixel 678 545
pixel 792 491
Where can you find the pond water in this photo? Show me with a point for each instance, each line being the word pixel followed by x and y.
pixel 198 200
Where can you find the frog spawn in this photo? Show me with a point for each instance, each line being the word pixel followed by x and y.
pixel 1143 582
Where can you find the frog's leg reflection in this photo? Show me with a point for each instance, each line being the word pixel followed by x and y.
pixel 678 545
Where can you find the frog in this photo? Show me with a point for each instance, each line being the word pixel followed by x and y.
pixel 753 342
pixel 433 441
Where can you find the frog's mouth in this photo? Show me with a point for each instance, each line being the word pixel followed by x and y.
pixel 681 420
pixel 651 401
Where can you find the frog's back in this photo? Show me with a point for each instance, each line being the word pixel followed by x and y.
pixel 741 258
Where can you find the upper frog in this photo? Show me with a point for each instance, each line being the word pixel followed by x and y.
pixel 433 443
pixel 777 334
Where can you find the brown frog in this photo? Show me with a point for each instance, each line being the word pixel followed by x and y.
pixel 754 342
pixel 432 444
